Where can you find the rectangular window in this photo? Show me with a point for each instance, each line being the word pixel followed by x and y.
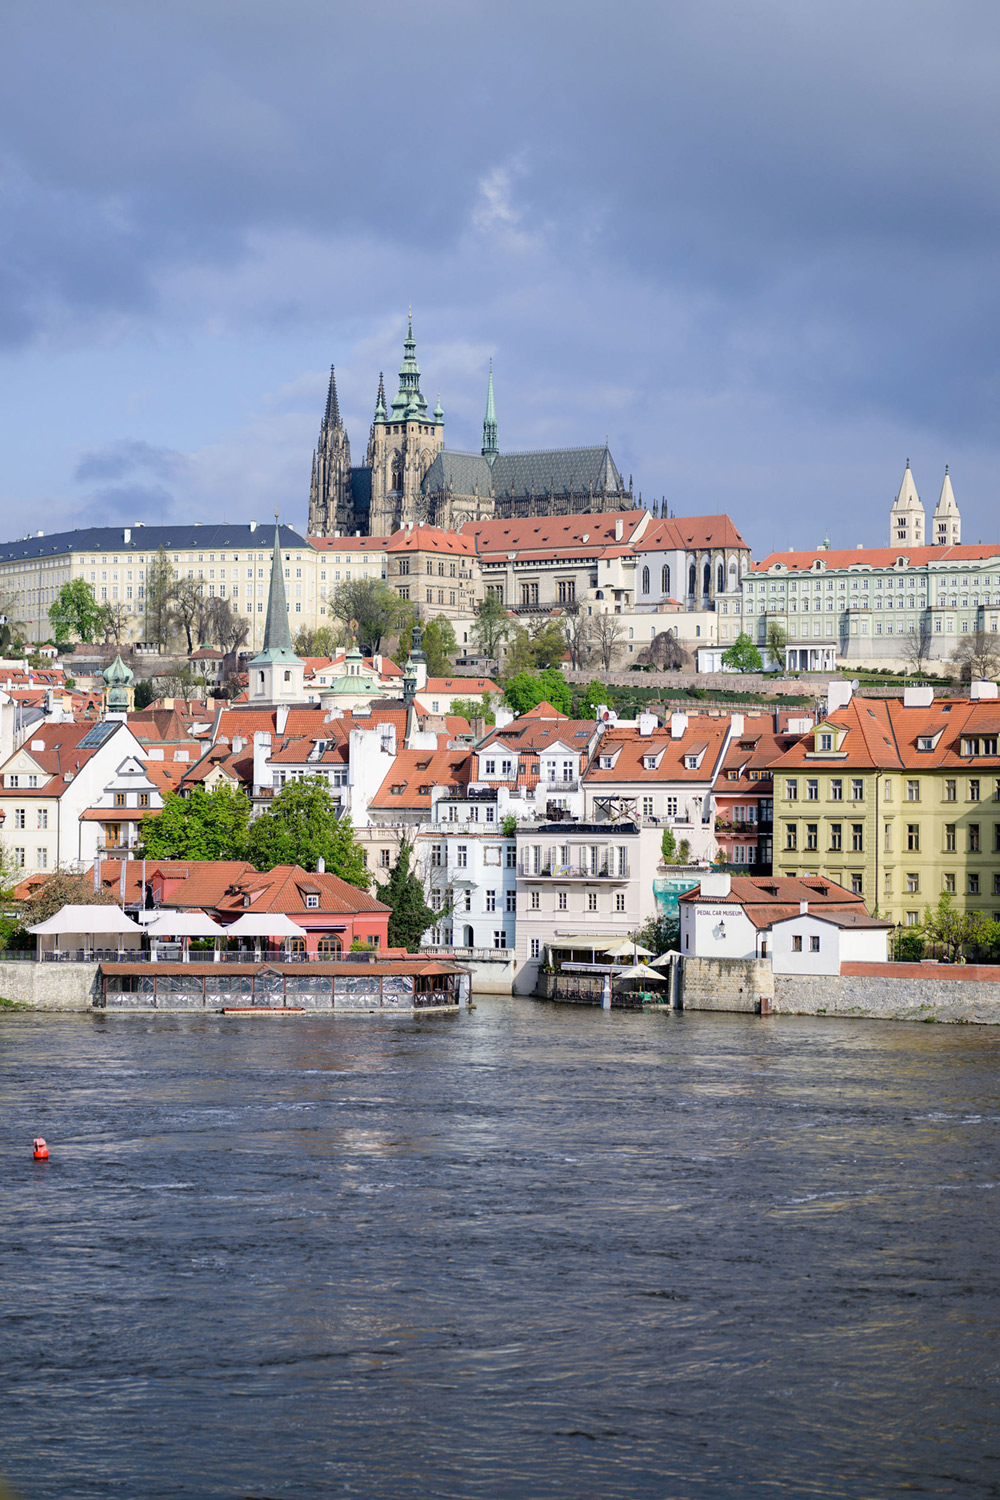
pixel 561 902
pixel 973 791
pixel 856 885
pixel 796 944
pixel 41 859
pixel 913 791
pixel 857 837
pixel 500 939
pixel 949 884
pixel 812 791
pixel 535 947
pixel 591 900
pixel 462 856
pixel 836 790
pixel 973 885
pixel 912 883
pixel 121 799
pixel 385 858
pixel 792 836
pixel 974 845
pixel 491 900
pixel 19 817
pixel 812 835
pixel 857 790
pixel 619 901
pixel 950 844
pixel 836 836
pixel 792 790
pixel 913 837
pixel 535 901
pixel 814 945
pixel 511 901
pixel 43 817
pixel 951 791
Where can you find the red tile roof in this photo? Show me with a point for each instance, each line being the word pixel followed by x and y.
pixel 680 533
pixel 415 773
pixel 876 557
pixel 546 532
pixel 431 539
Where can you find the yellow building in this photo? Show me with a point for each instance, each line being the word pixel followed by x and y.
pixel 897 800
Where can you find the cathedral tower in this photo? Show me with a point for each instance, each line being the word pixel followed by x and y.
pixel 946 526
pixel 404 442
pixel 331 501
pixel 907 518
pixel 491 445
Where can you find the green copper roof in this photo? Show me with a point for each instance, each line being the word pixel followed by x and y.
pixel 277 640
pixel 490 439
pixel 408 401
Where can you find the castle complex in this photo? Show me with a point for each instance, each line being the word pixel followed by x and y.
pixel 409 476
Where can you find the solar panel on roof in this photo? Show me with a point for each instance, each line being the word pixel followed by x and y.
pixel 96 736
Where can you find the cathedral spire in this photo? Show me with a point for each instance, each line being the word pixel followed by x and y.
pixel 490 449
pixel 409 401
pixel 276 634
pixel 332 417
pixel 380 400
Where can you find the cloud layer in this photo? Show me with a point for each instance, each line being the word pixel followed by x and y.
pixel 752 244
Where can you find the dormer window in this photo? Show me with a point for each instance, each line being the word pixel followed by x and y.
pixel 649 762
pixel 312 900
pixel 824 742
pixel 690 762
pixel 607 761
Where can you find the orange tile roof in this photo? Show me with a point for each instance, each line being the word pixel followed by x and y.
pixel 883 734
pixel 767 898
pixel 348 543
pixel 431 539
pixel 876 557
pixel 467 687
pixel 703 734
pixel 534 532
pixel 536 735
pixel 416 769
pixel 680 533
pixel 284 889
pixel 543 710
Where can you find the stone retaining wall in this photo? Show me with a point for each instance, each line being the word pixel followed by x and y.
pixel 51 986
pixel 734 984
pixel 893 996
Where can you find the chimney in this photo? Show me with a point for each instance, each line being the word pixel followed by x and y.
pixel 922 697
pixel 838 695
pixel 253 525
pixel 281 717
pixel 321 866
pixel 619 529
pixel 978 690
pixel 127 535
pixel 803 908
pixel 647 723
pixel 738 723
pixel 678 726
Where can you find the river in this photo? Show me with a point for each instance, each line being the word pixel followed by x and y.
pixel 528 1251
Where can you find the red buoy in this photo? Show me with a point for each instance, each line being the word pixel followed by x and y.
pixel 41 1150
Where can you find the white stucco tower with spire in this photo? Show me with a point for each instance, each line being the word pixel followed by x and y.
pixel 946 526
pixel 276 673
pixel 907 521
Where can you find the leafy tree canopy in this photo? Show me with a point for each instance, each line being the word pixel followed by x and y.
pixel 63 889
pixel 527 689
pixel 303 826
pixel 440 646
pixel 404 892
pixel 375 609
pixel 743 655
pixel 491 627
pixel 75 611
pixel 549 644
pixel 204 825
pixel 471 708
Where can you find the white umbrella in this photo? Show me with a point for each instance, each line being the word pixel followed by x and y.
pixel 184 924
pixel 626 947
pixel 640 971
pixel 264 924
pixel 87 919
pixel 666 958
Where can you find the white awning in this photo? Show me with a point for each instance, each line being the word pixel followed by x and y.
pixel 640 971
pixel 264 924
pixel 627 949
pixel 87 919
pixel 666 958
pixel 183 924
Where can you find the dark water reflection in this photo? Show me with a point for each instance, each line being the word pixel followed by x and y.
pixel 524 1252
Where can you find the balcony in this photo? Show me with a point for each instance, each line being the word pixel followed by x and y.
pixel 553 871
pixel 567 784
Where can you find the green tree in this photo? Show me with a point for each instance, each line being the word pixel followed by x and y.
pixel 777 640
pixel 159 597
pixel 75 611
pixel 301 827
pixel 519 656
pixel 204 825
pixel 491 627
pixel 326 641
pixel 144 693
pixel 743 655
pixel 373 607
pixel 594 694
pixel 473 708
pixel 440 646
pixel 404 892
pixel 528 689
pixel 63 889
pixel 548 642
pixel 668 846
pixel 684 851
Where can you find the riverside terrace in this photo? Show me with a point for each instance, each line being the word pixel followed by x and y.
pixel 394 985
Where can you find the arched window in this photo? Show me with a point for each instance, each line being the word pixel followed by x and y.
pixel 706 579
pixel 733 573
pixel 397 471
pixel 665 578
pixel 692 579
pixel 720 579
pixel 645 580
pixel 329 947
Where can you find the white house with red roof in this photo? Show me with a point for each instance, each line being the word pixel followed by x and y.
pixel 805 925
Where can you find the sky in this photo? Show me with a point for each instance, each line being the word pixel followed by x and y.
pixel 752 243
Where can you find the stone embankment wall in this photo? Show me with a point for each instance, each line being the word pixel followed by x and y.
pixel 734 984
pixel 51 986
pixel 896 992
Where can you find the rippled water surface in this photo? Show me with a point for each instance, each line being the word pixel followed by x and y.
pixel 527 1251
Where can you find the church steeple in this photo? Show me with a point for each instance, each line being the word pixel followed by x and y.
pixel 409 402
pixel 276 673
pixel 380 400
pixel 331 500
pixel 332 418
pixel 490 449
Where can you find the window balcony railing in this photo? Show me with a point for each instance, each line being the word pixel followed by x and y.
pixel 554 871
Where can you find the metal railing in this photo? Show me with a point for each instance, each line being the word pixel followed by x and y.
pixel 171 953
pixel 556 871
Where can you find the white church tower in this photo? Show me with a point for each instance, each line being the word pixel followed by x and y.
pixel 907 518
pixel 276 673
pixel 946 527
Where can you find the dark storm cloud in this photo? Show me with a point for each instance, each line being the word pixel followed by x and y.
pixel 126 458
pixel 772 201
pixel 128 503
